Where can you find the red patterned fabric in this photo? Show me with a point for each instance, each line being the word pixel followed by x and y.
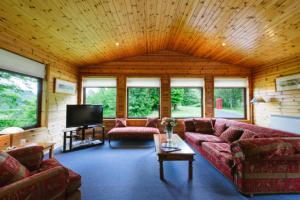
pixel 220 127
pixel 133 131
pixel 247 134
pixel 204 126
pixel 231 134
pixel 31 157
pixel 50 184
pixel 198 138
pixel 189 125
pixel 152 122
pixel 120 122
pixel 11 170
pixel 220 151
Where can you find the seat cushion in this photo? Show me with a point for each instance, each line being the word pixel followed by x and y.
pixel 189 125
pixel 220 127
pixel 11 170
pixel 203 126
pixel 134 130
pixel 220 151
pixel 74 180
pixel 198 138
pixel 152 122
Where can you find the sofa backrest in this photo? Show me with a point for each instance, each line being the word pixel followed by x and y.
pixel 261 131
pixel 189 124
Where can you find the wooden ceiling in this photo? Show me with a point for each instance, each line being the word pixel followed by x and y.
pixel 84 32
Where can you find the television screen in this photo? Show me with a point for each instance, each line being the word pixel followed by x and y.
pixel 84 115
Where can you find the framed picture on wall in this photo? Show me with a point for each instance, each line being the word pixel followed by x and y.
pixel 65 87
pixel 291 82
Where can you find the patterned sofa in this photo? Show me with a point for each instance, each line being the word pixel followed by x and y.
pixel 264 161
pixel 28 176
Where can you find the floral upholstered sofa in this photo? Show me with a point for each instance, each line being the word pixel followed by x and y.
pixel 25 175
pixel 256 159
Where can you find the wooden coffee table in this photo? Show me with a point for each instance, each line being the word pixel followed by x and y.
pixel 185 154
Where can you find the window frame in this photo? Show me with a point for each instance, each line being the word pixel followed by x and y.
pixel 201 99
pixel 245 102
pixel 84 99
pixel 127 103
pixel 39 98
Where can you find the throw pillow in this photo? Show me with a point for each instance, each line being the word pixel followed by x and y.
pixel 120 122
pixel 248 135
pixel 189 125
pixel 203 126
pixel 11 170
pixel 231 134
pixel 220 127
pixel 152 122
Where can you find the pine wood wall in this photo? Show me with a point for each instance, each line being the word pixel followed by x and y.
pixel 282 103
pixel 54 104
pixel 163 64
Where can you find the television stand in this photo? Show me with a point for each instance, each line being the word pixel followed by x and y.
pixel 78 142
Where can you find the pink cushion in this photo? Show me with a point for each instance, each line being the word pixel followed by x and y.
pixel 134 130
pixel 247 134
pixel 152 122
pixel 220 151
pixel 231 134
pixel 198 138
pixel 11 170
pixel 189 125
pixel 220 127
pixel 204 126
pixel 120 122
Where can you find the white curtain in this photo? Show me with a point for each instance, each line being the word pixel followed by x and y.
pixel 143 82
pixel 187 82
pixel 231 82
pixel 99 82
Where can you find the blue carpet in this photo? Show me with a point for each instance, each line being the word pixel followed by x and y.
pixel 133 174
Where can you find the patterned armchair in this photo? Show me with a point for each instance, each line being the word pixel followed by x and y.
pixel 46 179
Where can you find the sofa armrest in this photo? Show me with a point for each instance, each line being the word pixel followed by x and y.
pixel 49 184
pixel 31 157
pixel 266 148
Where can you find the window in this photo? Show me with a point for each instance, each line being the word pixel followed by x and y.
pixel 186 97
pixel 20 100
pixel 230 97
pixel 101 91
pixel 143 97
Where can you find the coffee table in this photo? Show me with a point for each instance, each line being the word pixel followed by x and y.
pixel 184 154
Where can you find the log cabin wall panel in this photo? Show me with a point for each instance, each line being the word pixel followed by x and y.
pixel 163 64
pixel 254 32
pixel 283 102
pixel 53 104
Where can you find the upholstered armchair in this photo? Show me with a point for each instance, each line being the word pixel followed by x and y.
pixel 34 177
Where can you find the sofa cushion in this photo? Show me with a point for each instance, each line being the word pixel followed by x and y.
pixel 134 130
pixel 231 134
pixel 220 127
pixel 204 126
pixel 189 125
pixel 247 134
pixel 199 138
pixel 74 179
pixel 220 151
pixel 120 122
pixel 11 170
pixel 152 122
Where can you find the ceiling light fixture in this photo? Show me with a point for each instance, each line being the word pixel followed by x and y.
pixel 223 44
pixel 117 43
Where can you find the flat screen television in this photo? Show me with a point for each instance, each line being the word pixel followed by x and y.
pixel 84 115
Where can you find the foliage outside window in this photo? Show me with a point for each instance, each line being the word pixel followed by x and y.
pixel 230 102
pixel 19 102
pixel 104 96
pixel 143 102
pixel 186 102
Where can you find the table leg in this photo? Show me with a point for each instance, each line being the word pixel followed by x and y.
pixel 190 169
pixel 161 169
pixel 65 141
pixel 103 135
pixel 51 151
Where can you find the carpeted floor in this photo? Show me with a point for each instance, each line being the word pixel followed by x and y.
pixel 129 173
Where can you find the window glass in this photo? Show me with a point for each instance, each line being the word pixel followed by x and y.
pixel 19 102
pixel 102 96
pixel 186 102
pixel 143 102
pixel 230 102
